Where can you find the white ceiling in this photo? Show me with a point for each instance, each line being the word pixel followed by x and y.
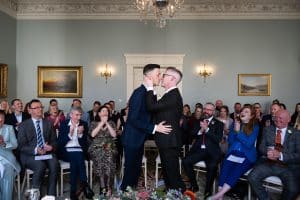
pixel 125 9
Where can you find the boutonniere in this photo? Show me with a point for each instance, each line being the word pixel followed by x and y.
pixel 289 131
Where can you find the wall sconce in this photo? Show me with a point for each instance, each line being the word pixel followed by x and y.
pixel 106 73
pixel 204 73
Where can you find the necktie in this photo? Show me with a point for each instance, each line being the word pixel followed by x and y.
pixel 39 135
pixel 278 145
pixel 278 137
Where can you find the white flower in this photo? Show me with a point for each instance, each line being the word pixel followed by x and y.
pixel 289 131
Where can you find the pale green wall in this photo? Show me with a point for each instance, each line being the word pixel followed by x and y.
pixel 8 31
pixel 232 47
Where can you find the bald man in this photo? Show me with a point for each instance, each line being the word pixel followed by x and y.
pixel 280 147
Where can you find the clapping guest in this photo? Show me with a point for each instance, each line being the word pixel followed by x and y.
pixel 103 150
pixel 241 153
pixel 37 145
pixel 53 102
pixel 72 144
pixel 9 167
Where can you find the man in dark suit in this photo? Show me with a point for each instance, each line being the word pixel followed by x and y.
pixel 18 116
pixel 168 109
pixel 205 148
pixel 280 147
pixel 93 114
pixel 72 148
pixel 137 127
pixel 37 144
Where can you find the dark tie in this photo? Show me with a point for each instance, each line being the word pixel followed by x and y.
pixel 39 134
pixel 278 145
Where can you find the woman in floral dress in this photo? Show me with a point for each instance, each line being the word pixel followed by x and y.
pixel 103 150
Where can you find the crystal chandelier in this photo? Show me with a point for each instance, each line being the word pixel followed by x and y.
pixel 162 9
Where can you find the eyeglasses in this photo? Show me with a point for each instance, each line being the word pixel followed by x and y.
pixel 164 75
pixel 40 107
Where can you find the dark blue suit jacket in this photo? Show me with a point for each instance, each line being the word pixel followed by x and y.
pixel 63 138
pixel 139 123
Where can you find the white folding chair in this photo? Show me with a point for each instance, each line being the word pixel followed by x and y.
pixel 201 167
pixel 18 189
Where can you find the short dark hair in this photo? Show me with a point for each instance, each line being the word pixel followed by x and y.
pixel 14 100
pixel 52 100
pixel 150 67
pixel 34 101
pixel 97 102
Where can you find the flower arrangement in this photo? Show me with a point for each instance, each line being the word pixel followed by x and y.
pixel 157 194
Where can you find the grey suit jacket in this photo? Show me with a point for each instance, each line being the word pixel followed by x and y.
pixel 291 145
pixel 27 139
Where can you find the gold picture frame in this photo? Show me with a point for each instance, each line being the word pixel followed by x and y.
pixel 3 80
pixel 254 84
pixel 60 81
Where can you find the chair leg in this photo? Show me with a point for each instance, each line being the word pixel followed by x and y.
pixel 61 182
pixel 156 175
pixel 145 174
pixel 19 186
pixel 249 192
pixel 28 180
pixel 91 174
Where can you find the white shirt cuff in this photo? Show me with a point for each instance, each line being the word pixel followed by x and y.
pixel 153 132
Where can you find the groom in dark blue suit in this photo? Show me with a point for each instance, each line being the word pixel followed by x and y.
pixel 137 127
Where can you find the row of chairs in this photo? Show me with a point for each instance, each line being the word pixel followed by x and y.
pixel 64 169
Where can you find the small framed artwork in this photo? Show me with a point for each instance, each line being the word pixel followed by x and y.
pixel 254 84
pixel 60 81
pixel 3 80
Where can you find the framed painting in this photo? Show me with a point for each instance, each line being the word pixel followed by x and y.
pixel 60 81
pixel 3 80
pixel 254 84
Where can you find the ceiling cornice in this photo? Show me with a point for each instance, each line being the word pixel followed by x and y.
pixel 125 9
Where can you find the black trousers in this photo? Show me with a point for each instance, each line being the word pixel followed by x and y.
pixel 170 167
pixel 211 162
pixel 133 164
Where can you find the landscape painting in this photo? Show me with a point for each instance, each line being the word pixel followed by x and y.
pixel 254 84
pixel 60 81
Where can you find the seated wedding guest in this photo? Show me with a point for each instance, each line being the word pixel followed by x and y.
pixel 93 114
pixel 84 116
pixel 55 117
pixel 197 105
pixel 280 147
pixel 241 154
pixel 17 116
pixel 295 114
pixel 194 123
pixel 37 145
pixel 227 121
pixel 218 104
pixel 114 114
pixel 120 127
pixel 53 102
pixel 9 167
pixel 103 150
pixel 237 109
pixel 268 120
pixel 297 123
pixel 258 112
pixel 72 148
pixel 184 124
pixel 5 107
pixel 205 148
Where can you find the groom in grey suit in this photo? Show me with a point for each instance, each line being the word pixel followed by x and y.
pixel 280 147
pixel 35 155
